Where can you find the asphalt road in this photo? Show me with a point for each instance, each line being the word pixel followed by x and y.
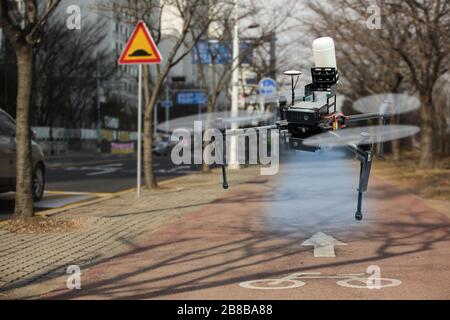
pixel 79 178
pixel 105 175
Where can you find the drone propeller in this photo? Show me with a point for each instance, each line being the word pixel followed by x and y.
pixel 244 118
pixel 255 99
pixel 249 131
pixel 387 104
pixel 361 135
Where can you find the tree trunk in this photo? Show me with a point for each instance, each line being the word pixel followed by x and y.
pixel 396 151
pixel 24 194
pixel 150 182
pixel 442 136
pixel 426 134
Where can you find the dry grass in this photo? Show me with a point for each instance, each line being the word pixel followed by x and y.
pixel 37 225
pixel 427 183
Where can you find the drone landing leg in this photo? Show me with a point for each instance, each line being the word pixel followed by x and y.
pixel 224 177
pixel 365 156
pixel 222 150
pixel 358 214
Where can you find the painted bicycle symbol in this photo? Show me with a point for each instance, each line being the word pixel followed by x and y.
pixel 295 280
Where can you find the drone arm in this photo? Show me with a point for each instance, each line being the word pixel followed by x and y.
pixel 385 118
pixel 244 131
pixel 225 133
pixel 364 117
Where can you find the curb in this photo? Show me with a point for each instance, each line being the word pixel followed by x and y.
pixel 75 205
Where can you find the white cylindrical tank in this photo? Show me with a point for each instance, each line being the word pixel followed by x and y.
pixel 324 53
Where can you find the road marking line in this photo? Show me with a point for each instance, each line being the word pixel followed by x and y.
pixel 296 280
pixel 59 165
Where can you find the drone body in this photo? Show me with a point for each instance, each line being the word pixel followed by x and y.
pixel 311 115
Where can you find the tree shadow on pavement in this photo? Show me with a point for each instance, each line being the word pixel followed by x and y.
pixel 249 198
pixel 216 250
pixel 165 269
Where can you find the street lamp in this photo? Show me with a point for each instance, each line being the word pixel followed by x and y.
pixel 234 163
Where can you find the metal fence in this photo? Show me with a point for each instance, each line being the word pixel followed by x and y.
pixel 47 133
pixel 60 141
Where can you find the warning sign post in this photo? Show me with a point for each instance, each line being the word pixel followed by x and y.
pixel 140 49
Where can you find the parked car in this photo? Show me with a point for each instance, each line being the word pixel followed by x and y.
pixel 8 159
pixel 162 148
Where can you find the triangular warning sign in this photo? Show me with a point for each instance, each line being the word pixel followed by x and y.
pixel 141 48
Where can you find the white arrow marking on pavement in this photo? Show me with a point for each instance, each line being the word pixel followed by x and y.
pixel 323 245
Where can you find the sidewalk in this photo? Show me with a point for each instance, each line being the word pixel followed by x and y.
pixel 31 262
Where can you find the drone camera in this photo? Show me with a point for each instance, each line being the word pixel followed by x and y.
pixel 310 114
pixel 303 116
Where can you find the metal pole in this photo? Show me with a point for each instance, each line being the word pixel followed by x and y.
pixel 234 164
pixel 139 134
pixel 293 90
pixel 167 107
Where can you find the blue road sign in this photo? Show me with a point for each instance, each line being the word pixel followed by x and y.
pixel 214 52
pixel 267 87
pixel 166 104
pixel 191 98
pixel 211 52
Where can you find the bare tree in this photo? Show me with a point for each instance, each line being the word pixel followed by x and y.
pixel 22 27
pixel 426 53
pixel 441 97
pixel 66 71
pixel 215 74
pixel 188 15
pixel 409 51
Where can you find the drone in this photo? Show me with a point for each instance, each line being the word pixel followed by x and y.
pixel 311 122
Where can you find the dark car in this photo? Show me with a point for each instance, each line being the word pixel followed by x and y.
pixel 161 148
pixel 8 159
